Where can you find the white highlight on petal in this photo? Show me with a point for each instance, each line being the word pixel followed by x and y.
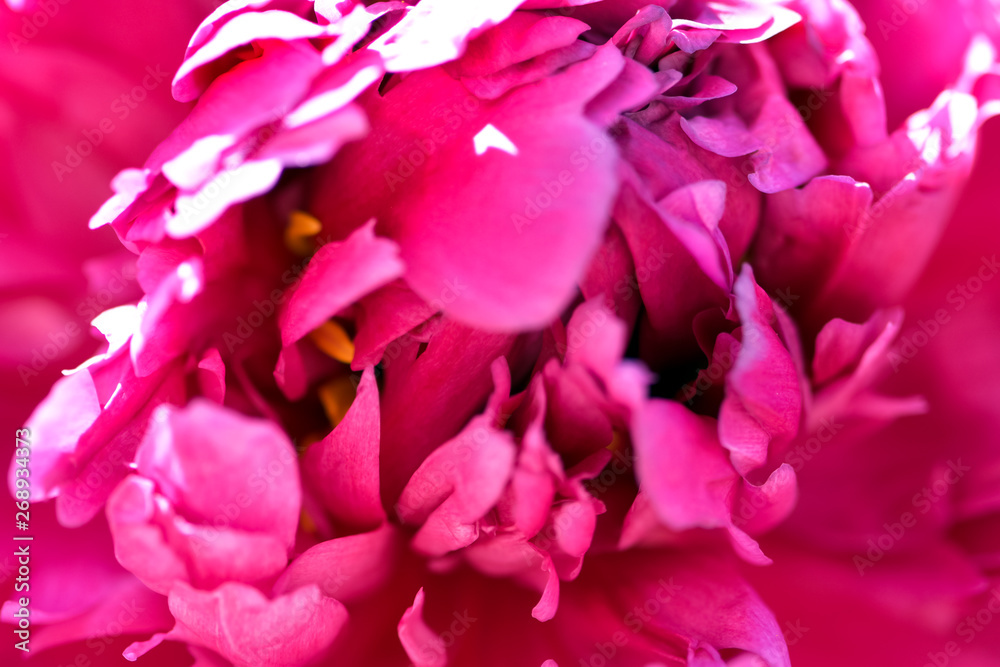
pixel 113 394
pixel 118 325
pixel 190 281
pixel 491 137
pixel 980 56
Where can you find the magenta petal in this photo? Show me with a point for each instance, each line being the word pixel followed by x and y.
pixel 162 548
pixel 595 338
pixel 548 604
pixel 763 397
pixel 521 37
pixel 533 483
pixel 805 232
pixel 682 467
pixel 662 261
pixel 199 208
pixel 713 605
pixel 419 411
pixel 355 266
pixel 790 156
pixel 384 316
pixel 243 626
pixel 212 376
pixel 343 468
pixel 725 135
pixel 610 274
pixel 436 32
pixel 139 543
pixel 230 110
pixel 542 239
pixel 57 425
pixel 348 568
pixel 204 458
pixel 693 213
pixel 633 88
pixel 495 86
pixel 424 646
pixel 772 501
pixel 191 77
pixel 840 344
pixel 83 496
pixel 574 423
pixel 456 486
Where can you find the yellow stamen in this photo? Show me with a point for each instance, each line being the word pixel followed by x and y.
pixel 336 397
pixel 309 440
pixel 300 231
pixel 332 339
pixel 306 523
pixel 617 441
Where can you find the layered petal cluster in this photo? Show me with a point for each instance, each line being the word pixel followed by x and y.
pixel 82 99
pixel 511 333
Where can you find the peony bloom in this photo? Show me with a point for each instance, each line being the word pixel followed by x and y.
pixel 531 333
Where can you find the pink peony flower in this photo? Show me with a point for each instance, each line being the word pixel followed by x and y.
pixel 538 333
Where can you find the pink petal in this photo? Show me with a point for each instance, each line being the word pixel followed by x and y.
pixel 355 266
pixel 243 626
pixel 424 646
pixel 348 568
pixel 197 70
pixel 403 196
pixel 683 470
pixel 456 486
pixel 384 316
pixel 763 399
pixel 521 37
pixel 205 459
pixel 343 468
pixel 420 411
pixel 436 32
